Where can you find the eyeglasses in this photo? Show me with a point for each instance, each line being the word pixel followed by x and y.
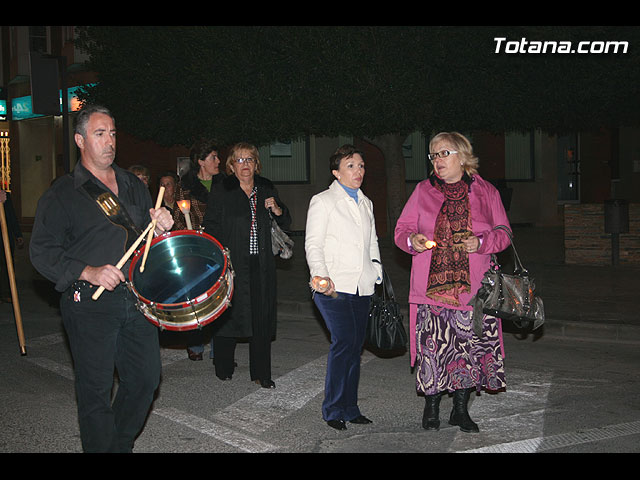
pixel 245 160
pixel 442 154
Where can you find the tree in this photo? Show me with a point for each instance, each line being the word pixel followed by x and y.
pixel 265 83
pixel 379 83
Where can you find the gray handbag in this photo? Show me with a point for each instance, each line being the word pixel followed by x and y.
pixel 281 244
pixel 507 296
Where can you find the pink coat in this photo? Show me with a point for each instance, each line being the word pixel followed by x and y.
pixel 419 216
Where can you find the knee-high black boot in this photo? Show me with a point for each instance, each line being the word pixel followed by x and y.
pixel 431 416
pixel 459 414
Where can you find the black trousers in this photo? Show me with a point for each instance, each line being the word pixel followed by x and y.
pixel 259 343
pixel 105 335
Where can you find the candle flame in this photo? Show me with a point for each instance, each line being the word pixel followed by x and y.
pixel 185 205
pixel 319 284
pixel 430 244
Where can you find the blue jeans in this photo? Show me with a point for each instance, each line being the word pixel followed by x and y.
pixel 346 318
pixel 105 334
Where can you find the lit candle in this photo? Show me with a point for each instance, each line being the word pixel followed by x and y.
pixel 185 206
pixel 429 244
pixel 321 285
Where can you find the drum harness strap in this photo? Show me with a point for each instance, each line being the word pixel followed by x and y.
pixel 113 210
pixel 115 213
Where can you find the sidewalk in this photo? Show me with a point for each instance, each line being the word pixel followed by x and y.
pixel 580 301
pixel 594 302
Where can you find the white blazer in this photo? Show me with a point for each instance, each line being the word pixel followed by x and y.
pixel 341 240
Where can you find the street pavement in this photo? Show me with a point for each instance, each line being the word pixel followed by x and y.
pixel 572 385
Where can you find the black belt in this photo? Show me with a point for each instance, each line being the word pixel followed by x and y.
pixel 82 284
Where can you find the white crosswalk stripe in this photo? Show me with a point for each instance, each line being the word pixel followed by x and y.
pixel 511 422
pixel 541 444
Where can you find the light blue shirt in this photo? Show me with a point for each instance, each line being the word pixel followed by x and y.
pixel 353 192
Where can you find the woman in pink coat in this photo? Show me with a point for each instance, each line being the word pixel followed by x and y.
pixel 456 209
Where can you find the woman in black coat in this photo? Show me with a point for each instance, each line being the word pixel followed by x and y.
pixel 240 222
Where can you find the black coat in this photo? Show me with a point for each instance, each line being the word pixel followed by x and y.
pixel 229 222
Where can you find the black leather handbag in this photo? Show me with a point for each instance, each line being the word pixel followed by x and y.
pixel 385 328
pixel 507 296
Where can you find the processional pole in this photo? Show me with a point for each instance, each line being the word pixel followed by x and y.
pixel 5 181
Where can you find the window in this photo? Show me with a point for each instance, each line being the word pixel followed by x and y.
pixel 415 152
pixel 519 156
pixel 38 39
pixel 286 161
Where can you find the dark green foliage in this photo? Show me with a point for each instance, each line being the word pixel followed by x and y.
pixel 173 84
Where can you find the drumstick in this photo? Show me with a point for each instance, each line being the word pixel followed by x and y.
pixel 125 257
pixel 150 237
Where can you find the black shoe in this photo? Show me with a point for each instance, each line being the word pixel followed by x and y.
pixel 224 378
pixel 459 414
pixel 431 415
pixel 337 424
pixel 193 356
pixel 361 420
pixel 266 383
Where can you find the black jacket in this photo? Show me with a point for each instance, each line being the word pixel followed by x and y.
pixel 70 231
pixel 230 223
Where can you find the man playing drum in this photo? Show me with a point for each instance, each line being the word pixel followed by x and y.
pixel 76 245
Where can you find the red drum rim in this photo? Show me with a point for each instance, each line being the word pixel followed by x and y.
pixel 176 306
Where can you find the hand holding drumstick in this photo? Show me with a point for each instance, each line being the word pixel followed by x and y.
pixel 108 276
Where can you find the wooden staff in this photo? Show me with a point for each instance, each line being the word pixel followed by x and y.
pixel 150 236
pixel 124 258
pixel 12 281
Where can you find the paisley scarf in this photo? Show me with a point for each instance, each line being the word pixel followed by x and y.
pixel 449 270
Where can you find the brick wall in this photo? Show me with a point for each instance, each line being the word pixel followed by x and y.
pixel 586 242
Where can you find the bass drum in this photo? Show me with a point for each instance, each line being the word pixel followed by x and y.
pixel 187 281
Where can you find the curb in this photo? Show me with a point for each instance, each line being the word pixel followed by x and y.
pixel 588 331
pixel 593 331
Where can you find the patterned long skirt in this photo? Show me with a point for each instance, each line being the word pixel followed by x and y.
pixel 451 357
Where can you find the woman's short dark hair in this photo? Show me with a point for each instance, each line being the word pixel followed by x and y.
pixel 200 151
pixel 345 151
